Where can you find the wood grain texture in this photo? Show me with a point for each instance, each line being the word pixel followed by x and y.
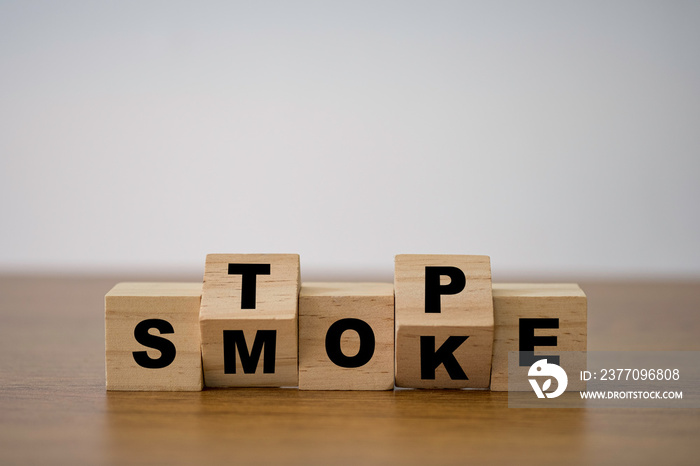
pixel 322 305
pixel 128 304
pixel 466 313
pixel 54 408
pixel 514 301
pixel 274 309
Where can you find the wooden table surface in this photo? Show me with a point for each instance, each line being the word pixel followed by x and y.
pixel 54 408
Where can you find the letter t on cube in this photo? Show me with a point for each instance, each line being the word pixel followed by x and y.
pixel 248 320
pixel 444 321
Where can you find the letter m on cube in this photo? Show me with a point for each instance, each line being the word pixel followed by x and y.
pixel 248 320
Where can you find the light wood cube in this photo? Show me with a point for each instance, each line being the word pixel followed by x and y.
pixel 152 337
pixel 552 318
pixel 346 336
pixel 444 321
pixel 248 320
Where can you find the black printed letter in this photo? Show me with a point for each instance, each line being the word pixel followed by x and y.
pixel 165 346
pixel 433 288
pixel 431 359
pixel 335 332
pixel 249 360
pixel 528 340
pixel 249 273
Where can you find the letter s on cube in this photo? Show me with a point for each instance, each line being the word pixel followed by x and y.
pixel 152 337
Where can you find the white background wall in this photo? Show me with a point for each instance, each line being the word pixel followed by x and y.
pixel 556 137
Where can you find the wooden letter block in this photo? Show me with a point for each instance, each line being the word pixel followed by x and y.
pixel 346 336
pixel 444 321
pixel 537 320
pixel 152 337
pixel 248 320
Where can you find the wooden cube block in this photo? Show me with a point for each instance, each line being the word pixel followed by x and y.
pixel 346 336
pixel 444 321
pixel 248 320
pixel 539 320
pixel 152 337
